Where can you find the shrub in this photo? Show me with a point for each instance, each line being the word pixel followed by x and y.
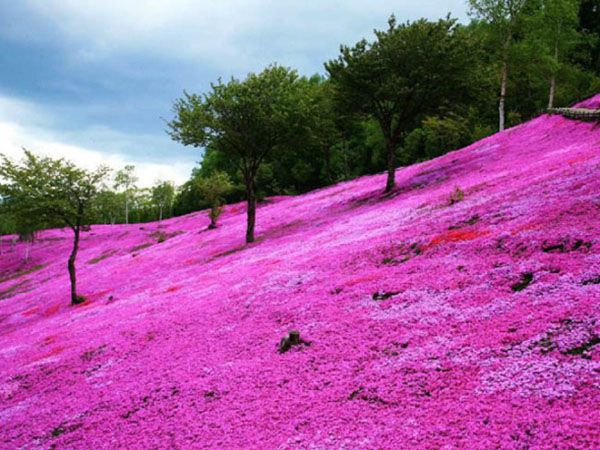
pixel 213 188
pixel 457 196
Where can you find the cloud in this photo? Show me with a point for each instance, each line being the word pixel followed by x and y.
pixel 90 80
pixel 229 35
pixel 23 129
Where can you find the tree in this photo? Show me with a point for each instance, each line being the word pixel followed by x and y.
pixel 162 197
pixel 107 205
pixel 325 127
pixel 125 180
pixel 589 26
pixel 553 26
pixel 52 190
pixel 213 188
pixel 7 222
pixel 437 136
pixel 504 18
pixel 245 120
pixel 410 71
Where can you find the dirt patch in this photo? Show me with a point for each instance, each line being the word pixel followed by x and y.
pixel 526 280
pixel 22 272
pixel 104 255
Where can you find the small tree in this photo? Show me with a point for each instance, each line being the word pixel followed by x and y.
pixel 163 194
pixel 53 190
pixel 125 180
pixel 7 222
pixel 213 188
pixel 244 120
pixel 107 205
pixel 504 18
pixel 554 25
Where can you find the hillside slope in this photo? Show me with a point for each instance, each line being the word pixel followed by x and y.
pixel 467 325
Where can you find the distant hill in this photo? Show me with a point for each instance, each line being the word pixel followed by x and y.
pixel 460 311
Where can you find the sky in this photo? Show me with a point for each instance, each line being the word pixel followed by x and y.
pixel 94 81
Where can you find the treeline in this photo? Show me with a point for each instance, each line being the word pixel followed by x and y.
pixel 120 200
pixel 117 200
pixel 412 92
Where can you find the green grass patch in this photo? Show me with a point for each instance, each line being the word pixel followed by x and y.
pixel 22 272
pixel 137 248
pixel 101 257
pixel 162 236
pixel 15 289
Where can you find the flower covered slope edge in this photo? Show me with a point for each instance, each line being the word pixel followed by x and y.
pixel 459 311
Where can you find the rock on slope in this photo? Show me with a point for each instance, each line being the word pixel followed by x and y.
pixel 433 323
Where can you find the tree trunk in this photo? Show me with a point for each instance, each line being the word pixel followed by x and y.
pixel 126 211
pixel 251 214
pixel 27 250
pixel 160 215
pixel 502 95
pixel 553 79
pixel 504 81
pixel 214 213
pixel 71 265
pixel 552 89
pixel 391 164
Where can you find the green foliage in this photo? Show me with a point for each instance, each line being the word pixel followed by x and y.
pixel 245 121
pixel 52 190
pixel 121 201
pixel 543 50
pixel 456 196
pixel 436 136
pixel 163 194
pixel 125 178
pixel 16 221
pixel 411 71
pixel 107 206
pixel 587 53
pixel 341 136
pixel 213 188
pixel 124 182
pixel 504 15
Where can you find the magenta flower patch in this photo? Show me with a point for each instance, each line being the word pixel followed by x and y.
pixel 461 311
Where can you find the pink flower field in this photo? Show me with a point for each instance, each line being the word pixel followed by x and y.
pixel 429 321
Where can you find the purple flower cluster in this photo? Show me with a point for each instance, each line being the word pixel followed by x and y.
pixel 428 323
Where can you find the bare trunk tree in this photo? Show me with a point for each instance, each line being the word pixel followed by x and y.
pixel 76 227
pixel 553 78
pixel 251 216
pixel 75 299
pixel 504 82
pixel 391 164
pixel 502 100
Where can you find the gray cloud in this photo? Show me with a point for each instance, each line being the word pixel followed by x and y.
pixel 101 74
